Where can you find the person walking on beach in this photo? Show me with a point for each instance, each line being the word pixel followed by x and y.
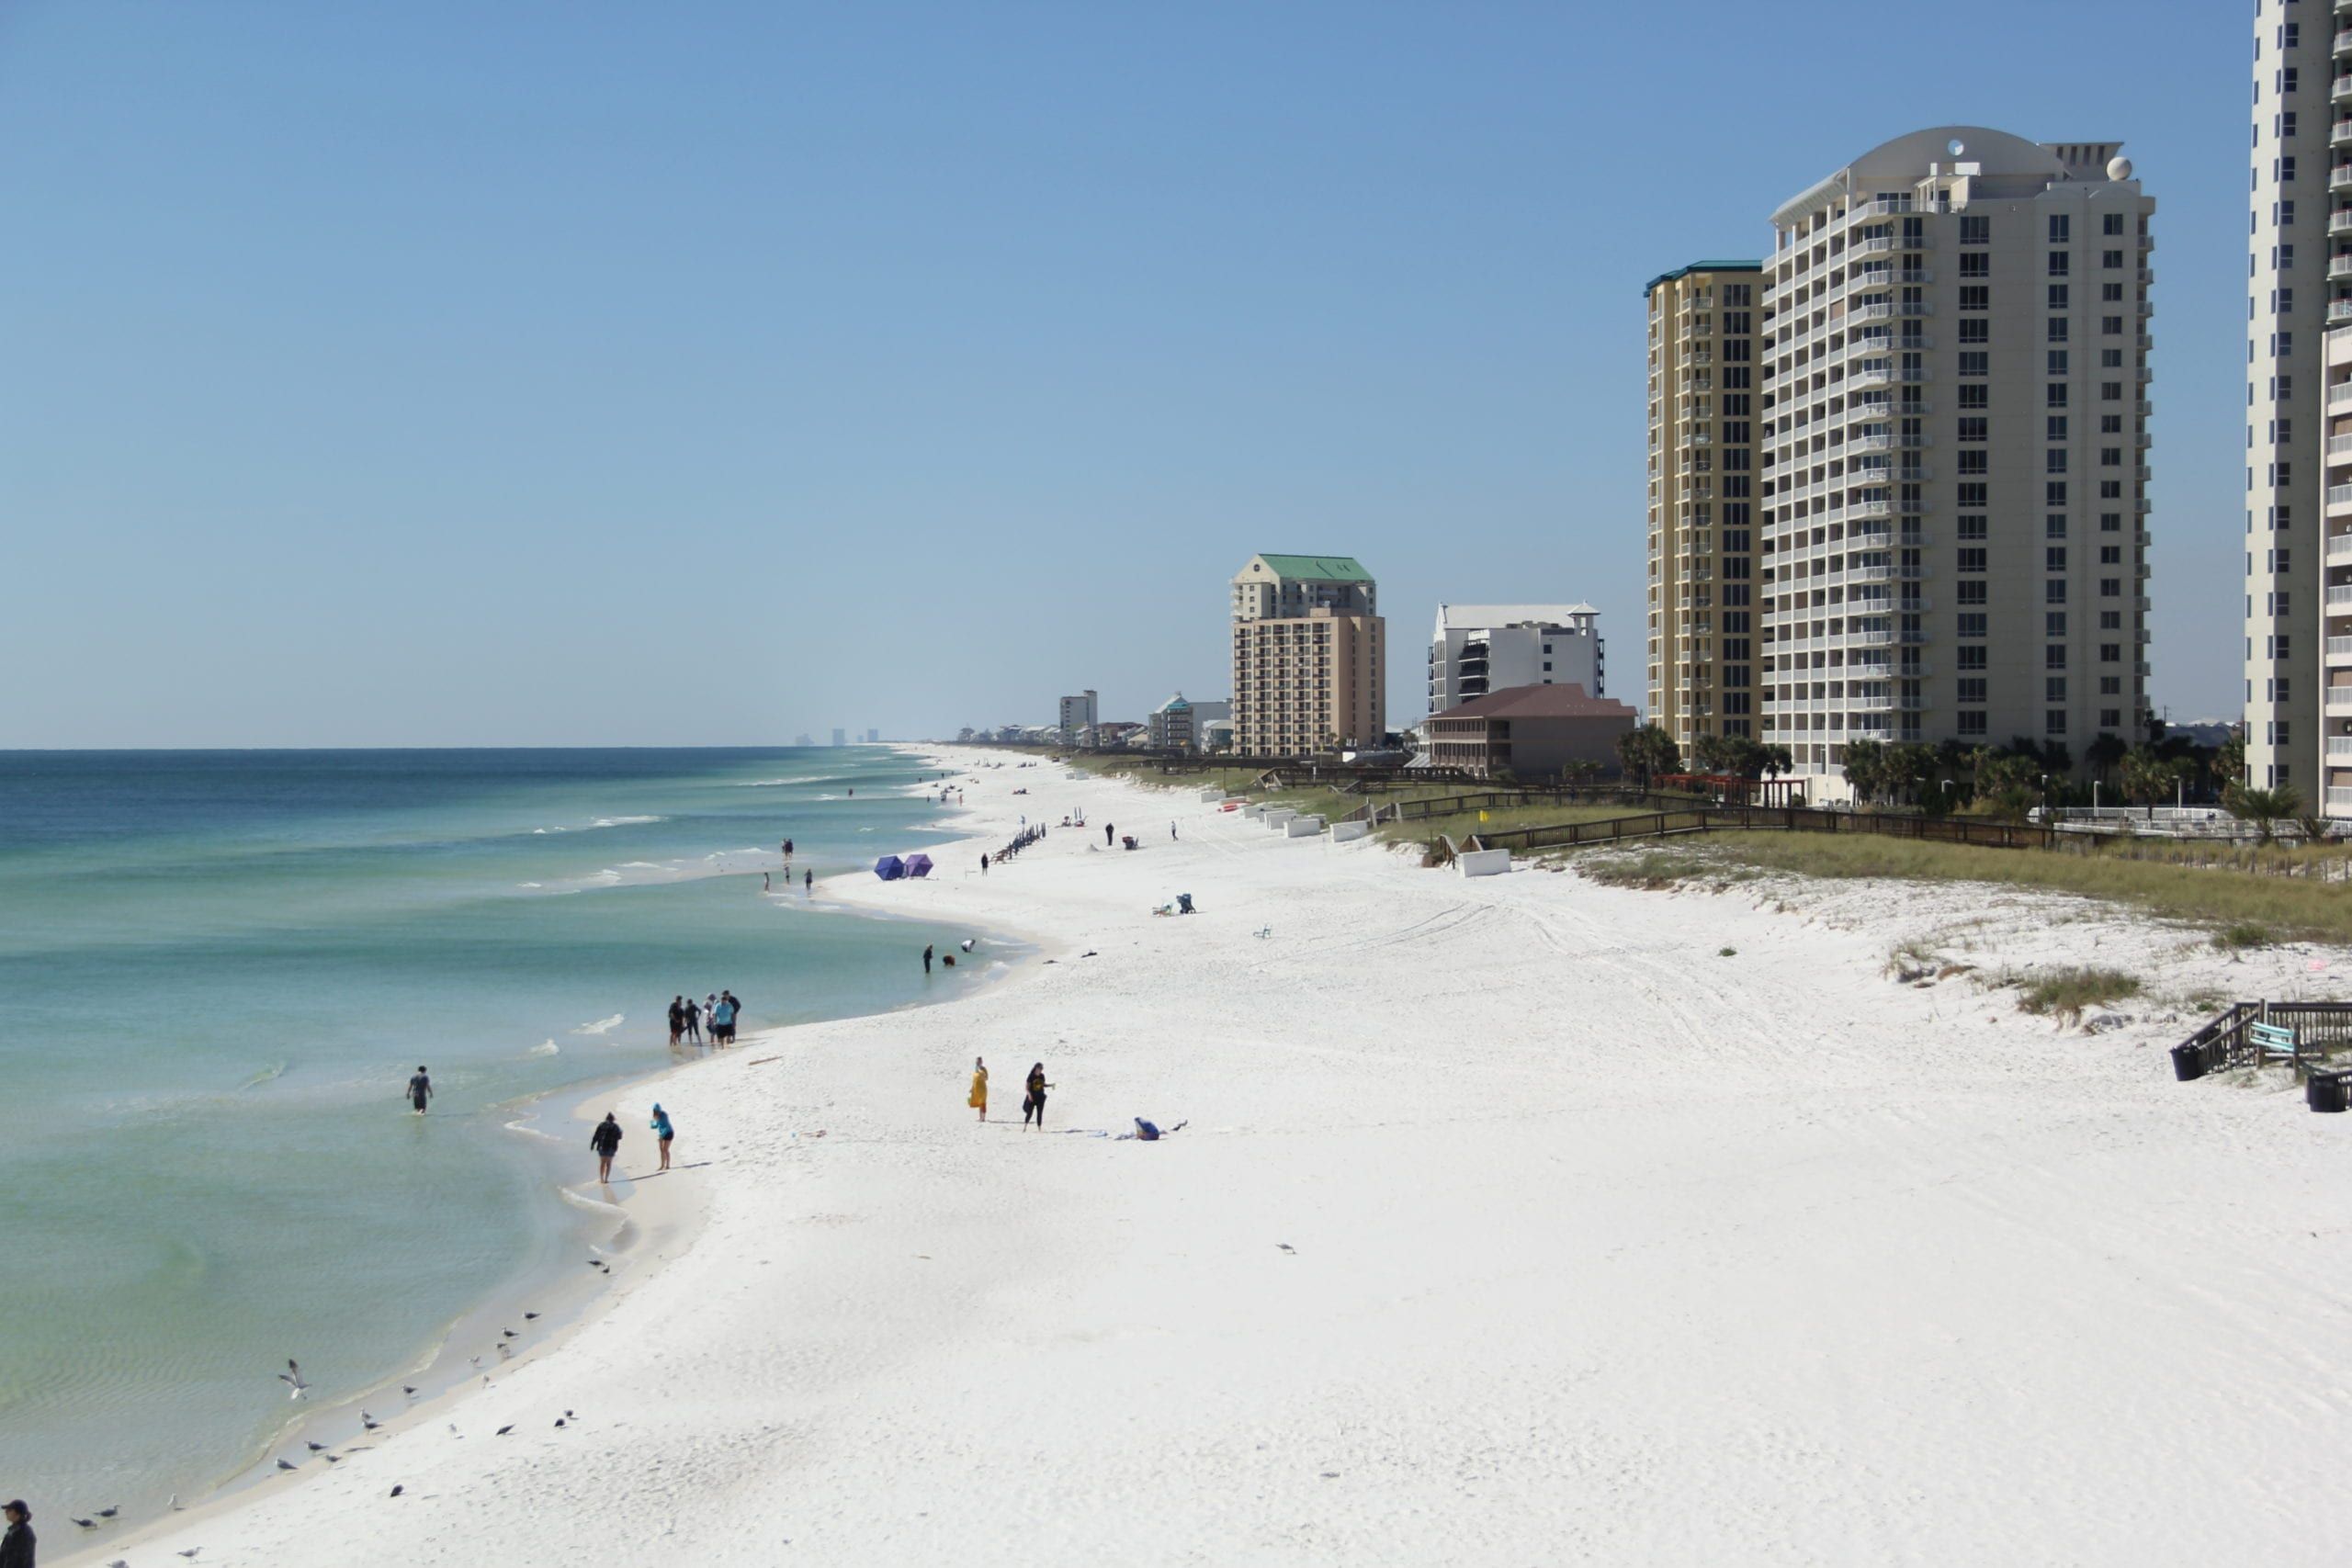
pixel 926 958
pixel 607 1141
pixel 1106 835
pixel 979 1098
pixel 1033 1102
pixel 17 1545
pixel 663 1134
pixel 677 1021
pixel 693 1021
pixel 1172 831
pixel 420 1089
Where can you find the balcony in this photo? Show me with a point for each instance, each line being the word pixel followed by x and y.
pixel 2339 655
pixel 2339 802
pixel 2340 177
pixel 2340 223
pixel 2338 495
pixel 2344 41
pixel 2340 265
pixel 2339 311
pixel 2339 90
pixel 2340 133
pixel 2339 702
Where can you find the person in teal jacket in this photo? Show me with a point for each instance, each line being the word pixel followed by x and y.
pixel 663 1134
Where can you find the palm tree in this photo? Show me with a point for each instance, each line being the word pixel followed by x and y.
pixel 1865 765
pixel 1647 753
pixel 2263 807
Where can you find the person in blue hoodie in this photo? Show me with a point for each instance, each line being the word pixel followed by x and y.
pixel 663 1134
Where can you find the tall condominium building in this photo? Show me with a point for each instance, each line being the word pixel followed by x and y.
pixel 1309 663
pixel 841 736
pixel 1956 454
pixel 1704 409
pixel 2298 485
pixel 1078 713
pixel 1478 649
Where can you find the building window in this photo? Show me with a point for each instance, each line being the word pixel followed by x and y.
pixel 1972 721
pixel 1971 689
pixel 1975 230
pixel 2054 722
pixel 1971 560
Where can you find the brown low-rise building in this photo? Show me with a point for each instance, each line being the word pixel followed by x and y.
pixel 1529 732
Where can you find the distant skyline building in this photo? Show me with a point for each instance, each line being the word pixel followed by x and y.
pixel 1176 723
pixel 1704 411
pixel 1956 387
pixel 1309 655
pixel 1079 715
pixel 1478 649
pixel 802 740
pixel 873 737
pixel 841 736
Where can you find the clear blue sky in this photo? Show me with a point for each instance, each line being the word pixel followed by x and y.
pixel 426 373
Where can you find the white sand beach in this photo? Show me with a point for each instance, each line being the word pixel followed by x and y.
pixel 1516 1221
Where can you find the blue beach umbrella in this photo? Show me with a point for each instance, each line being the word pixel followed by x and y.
pixel 889 868
pixel 918 864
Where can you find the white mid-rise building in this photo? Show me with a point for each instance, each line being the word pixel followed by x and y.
pixel 1078 715
pixel 1478 649
pixel 1955 464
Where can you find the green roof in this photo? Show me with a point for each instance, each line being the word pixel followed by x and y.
pixel 1329 568
pixel 1700 266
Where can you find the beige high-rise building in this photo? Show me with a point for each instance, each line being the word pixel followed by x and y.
pixel 1309 655
pixel 1956 458
pixel 1704 408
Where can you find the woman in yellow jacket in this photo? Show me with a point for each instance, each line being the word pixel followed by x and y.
pixel 980 1096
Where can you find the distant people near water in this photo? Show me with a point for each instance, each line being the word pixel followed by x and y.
pixel 979 1098
pixel 17 1545
pixel 1032 1103
pixel 710 1006
pixel 677 1021
pixel 722 1019
pixel 984 862
pixel 1106 835
pixel 420 1089
pixel 663 1134
pixel 607 1141
pixel 765 887
pixel 693 1021
pixel 808 885
pixel 1171 831
pixel 788 849
pixel 926 958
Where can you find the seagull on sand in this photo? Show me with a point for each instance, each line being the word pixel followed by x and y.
pixel 119 1562
pixel 369 1421
pixel 529 1316
pixel 398 1490
pixel 503 1430
pixel 409 1389
pixel 506 1334
pixel 292 1378
pixel 109 1513
pixel 285 1464
pixel 191 1552
pixel 315 1447
pixel 86 1524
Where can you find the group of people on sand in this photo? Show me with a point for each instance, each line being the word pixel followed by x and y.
pixel 606 1140
pixel 807 878
pixel 717 1012
pixel 1033 1098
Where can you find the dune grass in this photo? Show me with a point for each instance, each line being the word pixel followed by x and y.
pixel 2070 992
pixel 2221 900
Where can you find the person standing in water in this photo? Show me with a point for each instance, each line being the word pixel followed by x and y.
pixel 979 1098
pixel 693 1021
pixel 663 1134
pixel 607 1141
pixel 1033 1102
pixel 808 885
pixel 926 958
pixel 677 1021
pixel 420 1089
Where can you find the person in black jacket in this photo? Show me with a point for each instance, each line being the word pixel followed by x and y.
pixel 607 1141
pixel 17 1545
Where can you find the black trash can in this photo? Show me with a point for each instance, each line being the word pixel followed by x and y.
pixel 2328 1091
pixel 2187 1062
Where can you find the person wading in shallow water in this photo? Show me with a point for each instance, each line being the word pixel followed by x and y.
pixel 926 958
pixel 607 1141
pixel 420 1090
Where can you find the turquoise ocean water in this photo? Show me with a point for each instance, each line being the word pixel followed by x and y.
pixel 217 971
